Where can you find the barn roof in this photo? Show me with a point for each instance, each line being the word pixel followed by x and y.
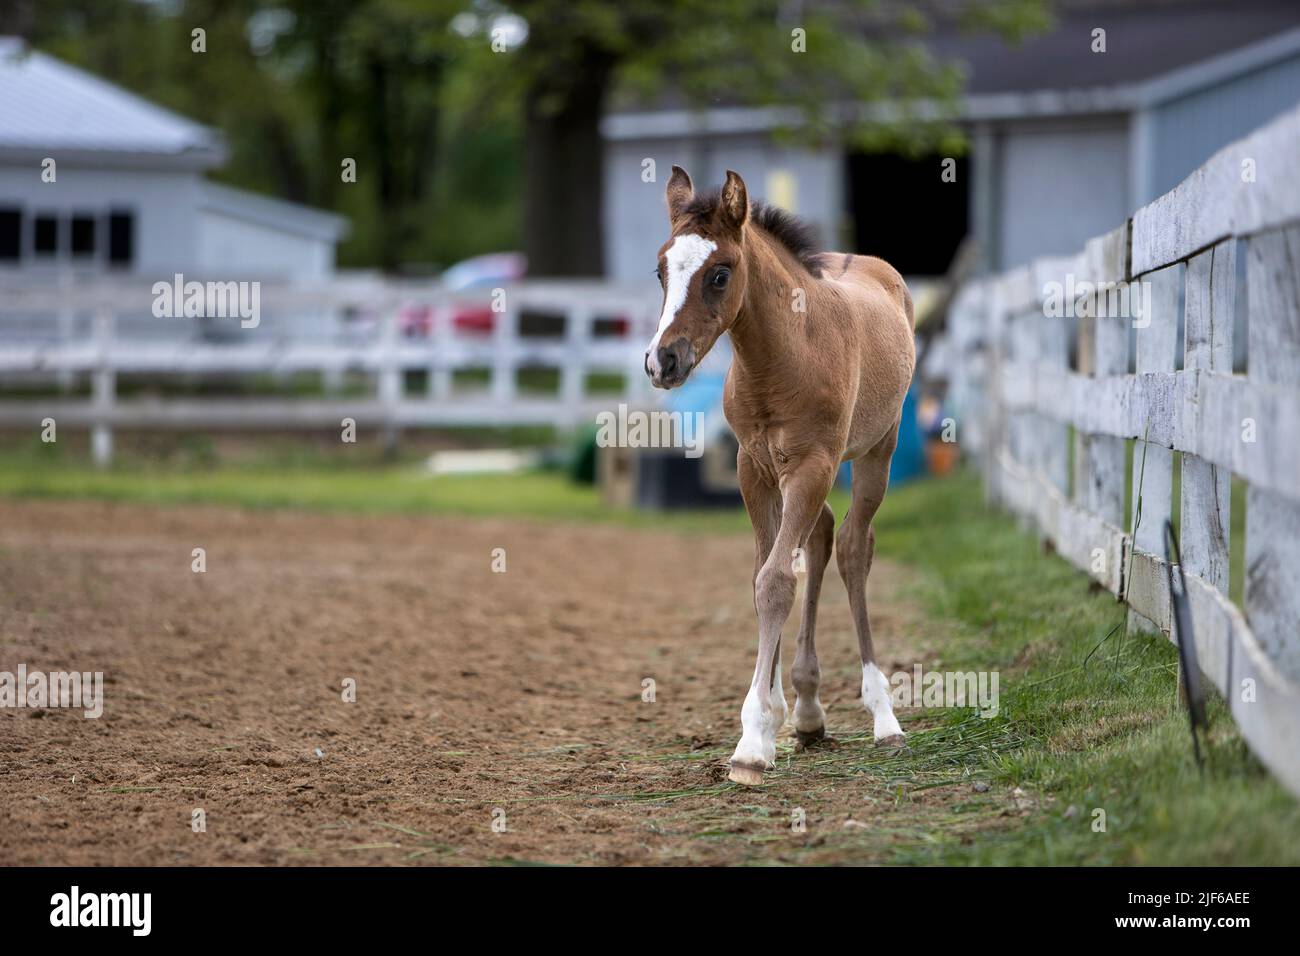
pixel 48 106
pixel 1143 41
pixel 272 213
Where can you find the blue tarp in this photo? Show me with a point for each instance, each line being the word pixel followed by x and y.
pixel 909 456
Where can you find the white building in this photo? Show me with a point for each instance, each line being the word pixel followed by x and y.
pixel 127 190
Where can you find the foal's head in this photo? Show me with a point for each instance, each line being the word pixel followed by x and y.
pixel 703 274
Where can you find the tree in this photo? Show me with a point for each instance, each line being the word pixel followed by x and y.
pixel 373 73
pixel 825 60
pixel 296 87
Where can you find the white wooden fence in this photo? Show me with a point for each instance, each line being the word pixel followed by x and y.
pixel 105 328
pixel 1219 257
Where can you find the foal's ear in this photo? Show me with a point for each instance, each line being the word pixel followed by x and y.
pixel 734 208
pixel 680 192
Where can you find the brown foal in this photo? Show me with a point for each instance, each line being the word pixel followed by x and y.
pixel 824 355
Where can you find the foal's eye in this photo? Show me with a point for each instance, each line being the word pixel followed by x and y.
pixel 659 274
pixel 720 278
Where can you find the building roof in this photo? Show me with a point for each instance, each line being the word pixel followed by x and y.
pixel 1155 50
pixel 48 106
pixel 1143 40
pixel 272 213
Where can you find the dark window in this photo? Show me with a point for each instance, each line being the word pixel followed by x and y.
pixel 83 235
pixel 121 238
pixel 905 213
pixel 11 234
pixel 47 235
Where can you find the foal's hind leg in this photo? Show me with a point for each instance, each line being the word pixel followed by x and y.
pixel 854 546
pixel 809 718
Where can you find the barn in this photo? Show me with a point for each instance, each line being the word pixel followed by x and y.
pixel 96 179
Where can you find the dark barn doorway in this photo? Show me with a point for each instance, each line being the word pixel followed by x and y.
pixel 905 213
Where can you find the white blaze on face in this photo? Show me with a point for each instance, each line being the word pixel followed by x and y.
pixel 684 258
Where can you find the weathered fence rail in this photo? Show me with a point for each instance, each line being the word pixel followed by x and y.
pixel 61 333
pixel 1216 258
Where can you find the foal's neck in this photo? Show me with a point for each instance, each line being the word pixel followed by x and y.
pixel 768 316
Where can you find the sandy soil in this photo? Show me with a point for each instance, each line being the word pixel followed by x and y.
pixel 478 694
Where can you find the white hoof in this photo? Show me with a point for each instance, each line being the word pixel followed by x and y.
pixel 757 753
pixel 745 776
pixel 887 726
pixel 876 699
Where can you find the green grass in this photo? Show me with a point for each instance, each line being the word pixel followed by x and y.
pixel 354 480
pixel 1101 732
pixel 1081 726
pixel 348 489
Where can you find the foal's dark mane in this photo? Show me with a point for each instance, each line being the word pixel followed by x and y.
pixel 785 227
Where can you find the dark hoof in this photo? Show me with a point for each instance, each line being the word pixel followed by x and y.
pixel 806 739
pixel 893 742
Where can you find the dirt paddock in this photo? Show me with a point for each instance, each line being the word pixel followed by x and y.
pixel 512 696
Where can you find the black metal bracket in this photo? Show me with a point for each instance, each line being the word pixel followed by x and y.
pixel 1181 617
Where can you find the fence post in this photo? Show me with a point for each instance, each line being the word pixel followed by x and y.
pixel 1018 352
pixel 103 389
pixel 1106 452
pixel 1153 478
pixel 964 398
pixel 1054 436
pixel 1086 352
pixel 1272 519
pixel 1205 504
pixel 442 332
pixel 1026 430
pixel 505 330
pixel 997 427
pixel 66 377
pixel 390 374
pixel 578 330
pixel 1100 479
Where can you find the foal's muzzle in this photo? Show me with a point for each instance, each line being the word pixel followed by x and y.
pixel 669 365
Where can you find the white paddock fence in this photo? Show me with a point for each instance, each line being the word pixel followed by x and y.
pixel 61 333
pixel 1220 258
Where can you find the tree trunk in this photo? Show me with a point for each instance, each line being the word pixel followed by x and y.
pixel 564 166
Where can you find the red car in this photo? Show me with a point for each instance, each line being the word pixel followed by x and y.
pixel 481 272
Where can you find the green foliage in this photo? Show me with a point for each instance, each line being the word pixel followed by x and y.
pixel 856 70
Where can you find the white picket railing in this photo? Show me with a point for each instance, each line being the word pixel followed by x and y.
pixel 105 328
pixel 1219 254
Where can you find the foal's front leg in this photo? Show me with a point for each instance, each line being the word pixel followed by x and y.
pixel 774 589
pixel 809 717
